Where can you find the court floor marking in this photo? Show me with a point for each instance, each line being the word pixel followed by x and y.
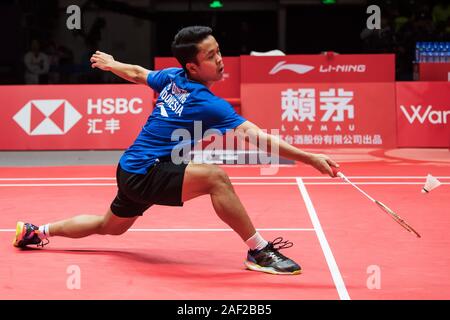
pixel 196 229
pixel 332 265
pixel 233 178
pixel 234 183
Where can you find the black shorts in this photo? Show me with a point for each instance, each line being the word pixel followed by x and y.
pixel 163 185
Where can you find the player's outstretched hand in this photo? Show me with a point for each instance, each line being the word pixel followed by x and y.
pixel 102 60
pixel 323 163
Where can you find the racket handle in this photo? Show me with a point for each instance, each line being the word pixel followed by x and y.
pixel 336 172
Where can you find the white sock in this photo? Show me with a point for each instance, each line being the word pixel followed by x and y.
pixel 44 231
pixel 256 242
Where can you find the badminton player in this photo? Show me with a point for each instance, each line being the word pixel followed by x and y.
pixel 146 174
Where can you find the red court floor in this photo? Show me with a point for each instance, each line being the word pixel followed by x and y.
pixel 339 236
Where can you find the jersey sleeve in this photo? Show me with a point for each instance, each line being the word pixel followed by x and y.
pixel 157 80
pixel 223 117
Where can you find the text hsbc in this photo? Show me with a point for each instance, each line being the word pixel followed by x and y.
pixel 114 106
pixel 434 117
pixel 343 68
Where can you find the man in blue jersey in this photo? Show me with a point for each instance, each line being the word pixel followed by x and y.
pixel 147 175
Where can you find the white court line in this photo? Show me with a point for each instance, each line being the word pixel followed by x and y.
pixel 57 179
pixel 113 184
pixel 234 183
pixel 233 178
pixel 370 183
pixel 332 265
pixel 327 177
pixel 198 230
pixel 56 184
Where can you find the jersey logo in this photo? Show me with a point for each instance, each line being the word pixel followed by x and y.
pixel 163 110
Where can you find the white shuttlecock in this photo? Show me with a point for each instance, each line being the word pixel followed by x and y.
pixel 430 184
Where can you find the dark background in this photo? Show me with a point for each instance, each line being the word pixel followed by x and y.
pixel 136 31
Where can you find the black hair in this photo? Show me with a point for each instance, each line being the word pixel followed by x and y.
pixel 184 45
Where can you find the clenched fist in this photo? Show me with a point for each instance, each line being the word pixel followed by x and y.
pixel 323 163
pixel 102 60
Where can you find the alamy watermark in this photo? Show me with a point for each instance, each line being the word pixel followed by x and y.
pixel 374 20
pixel 74 20
pixel 374 279
pixel 251 146
pixel 73 281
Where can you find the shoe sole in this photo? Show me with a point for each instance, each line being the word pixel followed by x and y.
pixel 19 234
pixel 254 267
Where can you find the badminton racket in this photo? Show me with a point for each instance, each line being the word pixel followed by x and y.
pixel 381 205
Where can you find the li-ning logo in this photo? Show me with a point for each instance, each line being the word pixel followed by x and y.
pixel 343 68
pixel 47 117
pixel 297 68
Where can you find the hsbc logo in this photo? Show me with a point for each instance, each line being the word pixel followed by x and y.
pixel 47 117
pixel 297 68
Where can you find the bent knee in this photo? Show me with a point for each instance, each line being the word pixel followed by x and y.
pixel 217 177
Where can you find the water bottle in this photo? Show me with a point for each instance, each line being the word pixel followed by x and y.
pixel 418 45
pixel 421 51
pixel 436 56
pixel 447 51
pixel 435 46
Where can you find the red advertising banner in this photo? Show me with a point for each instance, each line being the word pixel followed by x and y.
pixel 434 71
pixel 228 88
pixel 423 114
pixel 318 68
pixel 62 117
pixel 324 115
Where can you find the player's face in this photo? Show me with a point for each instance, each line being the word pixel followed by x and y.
pixel 209 66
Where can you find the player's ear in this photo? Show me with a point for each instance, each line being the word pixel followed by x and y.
pixel 191 67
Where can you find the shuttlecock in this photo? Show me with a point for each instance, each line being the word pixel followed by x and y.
pixel 430 184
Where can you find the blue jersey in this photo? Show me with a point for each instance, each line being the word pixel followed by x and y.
pixel 181 102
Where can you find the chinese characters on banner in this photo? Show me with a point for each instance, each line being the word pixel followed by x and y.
pixel 322 101
pixel 333 107
pixel 324 115
pixel 101 113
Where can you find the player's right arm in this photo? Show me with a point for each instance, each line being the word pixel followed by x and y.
pixel 129 72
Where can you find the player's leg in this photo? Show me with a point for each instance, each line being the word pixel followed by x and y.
pixel 201 179
pixel 76 227
pixel 86 225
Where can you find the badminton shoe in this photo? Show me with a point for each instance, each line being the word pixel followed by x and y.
pixel 26 234
pixel 270 260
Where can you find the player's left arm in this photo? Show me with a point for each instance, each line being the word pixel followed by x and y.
pixel 321 162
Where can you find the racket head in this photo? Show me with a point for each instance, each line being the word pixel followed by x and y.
pixel 397 218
